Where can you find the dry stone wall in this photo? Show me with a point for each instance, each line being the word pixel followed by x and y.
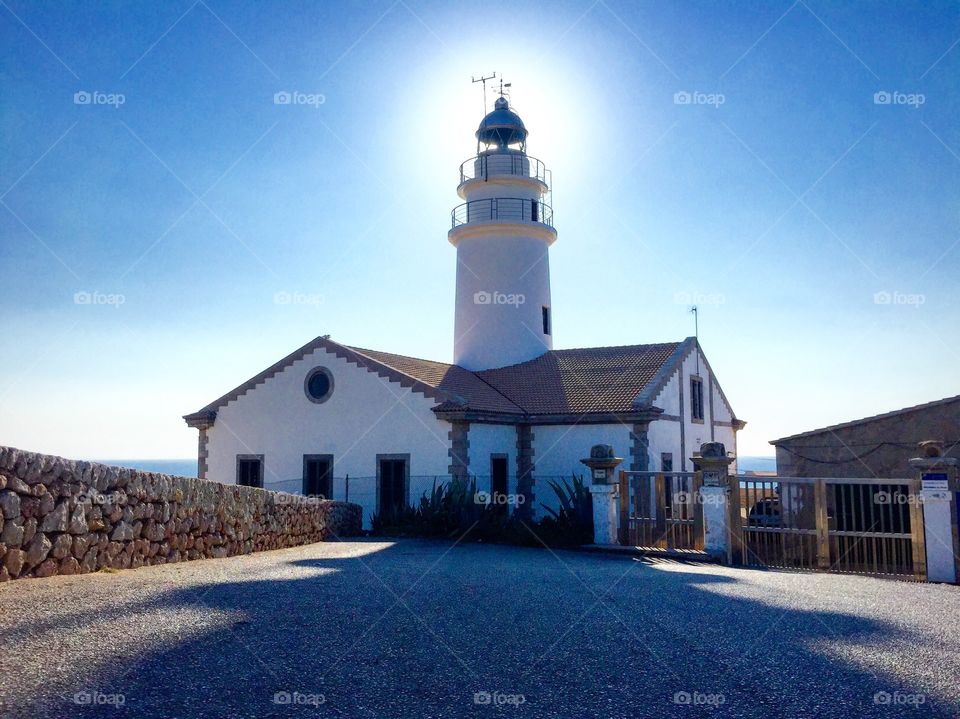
pixel 59 516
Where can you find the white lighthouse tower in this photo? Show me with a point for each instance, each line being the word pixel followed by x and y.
pixel 502 233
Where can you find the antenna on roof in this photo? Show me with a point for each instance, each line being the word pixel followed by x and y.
pixel 484 81
pixel 505 86
pixel 696 332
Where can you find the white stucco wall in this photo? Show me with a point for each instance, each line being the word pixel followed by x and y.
pixel 503 282
pixel 366 415
pixel 721 413
pixel 488 439
pixel 663 436
pixel 559 449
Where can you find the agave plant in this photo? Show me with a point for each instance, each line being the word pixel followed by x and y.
pixel 575 500
pixel 573 521
pixel 450 509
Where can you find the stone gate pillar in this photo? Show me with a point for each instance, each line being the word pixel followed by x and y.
pixel 720 520
pixel 605 491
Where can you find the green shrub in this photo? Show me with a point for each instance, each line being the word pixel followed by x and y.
pixel 451 510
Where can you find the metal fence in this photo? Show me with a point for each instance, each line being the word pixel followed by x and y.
pixel 364 490
pixel 872 526
pixel 506 209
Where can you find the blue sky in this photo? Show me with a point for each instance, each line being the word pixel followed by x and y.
pixel 782 198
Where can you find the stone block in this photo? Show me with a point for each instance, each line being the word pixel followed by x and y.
pixel 69 565
pixel 29 529
pixel 10 504
pixel 12 533
pixel 37 550
pixel 62 546
pixel 13 561
pixel 57 520
pixel 47 568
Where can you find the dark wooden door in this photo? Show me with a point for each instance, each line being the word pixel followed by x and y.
pixel 498 481
pixel 393 485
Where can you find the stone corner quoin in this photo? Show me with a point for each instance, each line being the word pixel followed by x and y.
pixel 60 516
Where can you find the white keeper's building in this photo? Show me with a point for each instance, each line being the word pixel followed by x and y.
pixel 380 429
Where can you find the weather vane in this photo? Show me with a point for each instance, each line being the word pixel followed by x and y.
pixel 696 332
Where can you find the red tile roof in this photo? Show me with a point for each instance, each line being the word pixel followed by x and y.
pixel 581 381
pixel 592 380
pixel 574 381
pixel 465 387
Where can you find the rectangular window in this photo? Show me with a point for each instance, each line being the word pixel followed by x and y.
pixel 666 462
pixel 546 320
pixel 250 470
pixel 534 211
pixel 696 399
pixel 318 475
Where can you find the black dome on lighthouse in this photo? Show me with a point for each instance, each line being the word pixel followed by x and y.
pixel 502 127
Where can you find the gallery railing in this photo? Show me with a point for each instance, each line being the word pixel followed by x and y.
pixel 499 164
pixel 502 209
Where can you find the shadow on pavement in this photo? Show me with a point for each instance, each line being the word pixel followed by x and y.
pixel 420 629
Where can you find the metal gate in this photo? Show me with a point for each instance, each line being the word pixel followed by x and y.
pixel 661 510
pixel 870 526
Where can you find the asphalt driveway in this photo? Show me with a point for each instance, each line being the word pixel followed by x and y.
pixel 429 629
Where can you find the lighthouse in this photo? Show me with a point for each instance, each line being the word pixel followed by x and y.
pixel 502 232
pixel 337 417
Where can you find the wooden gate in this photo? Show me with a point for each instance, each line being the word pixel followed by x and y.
pixel 870 526
pixel 661 510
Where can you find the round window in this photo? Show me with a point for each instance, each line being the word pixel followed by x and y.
pixel 319 384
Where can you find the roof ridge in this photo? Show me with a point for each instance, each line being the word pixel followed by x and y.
pixel 617 347
pixel 470 372
pixel 259 378
pixel 337 349
pixel 363 351
pixel 500 392
pixel 418 384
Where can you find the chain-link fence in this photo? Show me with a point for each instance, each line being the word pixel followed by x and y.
pixel 365 491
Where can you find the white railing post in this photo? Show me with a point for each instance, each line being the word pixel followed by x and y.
pixel 938 483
